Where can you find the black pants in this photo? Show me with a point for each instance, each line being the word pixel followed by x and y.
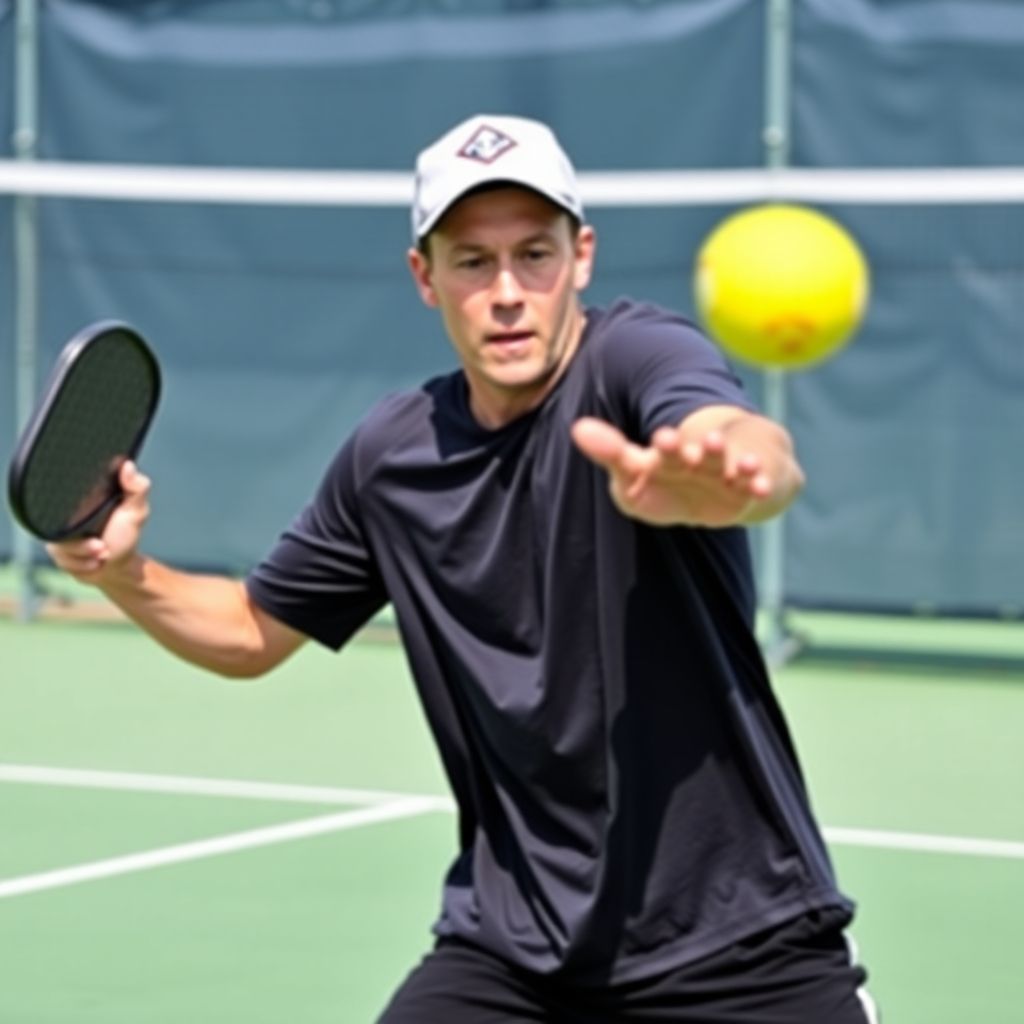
pixel 798 973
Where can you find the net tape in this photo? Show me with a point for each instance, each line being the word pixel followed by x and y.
pixel 190 184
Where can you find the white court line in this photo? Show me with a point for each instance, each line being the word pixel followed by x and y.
pixel 216 846
pixel 921 842
pixel 191 786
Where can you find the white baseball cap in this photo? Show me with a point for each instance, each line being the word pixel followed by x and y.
pixel 488 149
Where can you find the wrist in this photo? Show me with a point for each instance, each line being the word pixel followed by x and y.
pixel 125 574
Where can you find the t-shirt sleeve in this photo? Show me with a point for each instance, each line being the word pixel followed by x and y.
pixel 321 577
pixel 658 368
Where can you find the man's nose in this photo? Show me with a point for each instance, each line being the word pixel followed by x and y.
pixel 506 290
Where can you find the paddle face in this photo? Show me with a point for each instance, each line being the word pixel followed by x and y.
pixel 93 415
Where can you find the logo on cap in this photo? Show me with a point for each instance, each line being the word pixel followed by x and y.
pixel 486 145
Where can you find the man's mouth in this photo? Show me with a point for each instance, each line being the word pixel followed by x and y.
pixel 509 337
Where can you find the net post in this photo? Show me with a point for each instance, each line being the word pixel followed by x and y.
pixel 26 270
pixel 779 644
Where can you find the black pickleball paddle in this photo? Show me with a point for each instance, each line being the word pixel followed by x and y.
pixel 93 415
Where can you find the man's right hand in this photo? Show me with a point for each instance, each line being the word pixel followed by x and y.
pixel 98 559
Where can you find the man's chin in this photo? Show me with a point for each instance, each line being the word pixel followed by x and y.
pixel 520 378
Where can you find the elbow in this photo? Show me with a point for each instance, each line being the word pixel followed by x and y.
pixel 241 669
pixel 241 657
pixel 232 665
pixel 262 644
pixel 248 661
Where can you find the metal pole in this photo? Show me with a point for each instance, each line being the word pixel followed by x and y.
pixel 779 645
pixel 26 268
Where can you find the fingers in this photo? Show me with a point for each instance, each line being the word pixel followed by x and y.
pixel 132 481
pixel 610 448
pixel 598 440
pixel 86 558
pixel 759 483
pixel 78 557
pixel 706 479
pixel 135 500
pixel 712 456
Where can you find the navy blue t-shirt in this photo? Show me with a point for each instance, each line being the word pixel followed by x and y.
pixel 629 797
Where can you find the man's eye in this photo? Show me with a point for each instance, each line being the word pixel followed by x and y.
pixel 537 255
pixel 470 263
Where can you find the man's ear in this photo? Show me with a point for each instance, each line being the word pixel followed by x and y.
pixel 584 248
pixel 419 267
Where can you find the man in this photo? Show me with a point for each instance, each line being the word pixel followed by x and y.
pixel 558 527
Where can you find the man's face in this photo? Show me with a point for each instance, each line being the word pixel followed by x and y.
pixel 504 269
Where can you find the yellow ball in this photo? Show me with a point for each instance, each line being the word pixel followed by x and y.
pixel 781 285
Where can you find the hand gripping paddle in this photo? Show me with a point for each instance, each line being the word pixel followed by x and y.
pixel 92 417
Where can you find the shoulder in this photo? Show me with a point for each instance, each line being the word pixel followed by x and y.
pixel 651 367
pixel 627 317
pixel 398 422
pixel 633 331
pixel 631 340
pixel 395 415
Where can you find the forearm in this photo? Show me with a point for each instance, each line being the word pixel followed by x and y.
pixel 206 620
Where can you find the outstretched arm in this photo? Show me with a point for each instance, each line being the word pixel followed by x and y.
pixel 207 620
pixel 722 466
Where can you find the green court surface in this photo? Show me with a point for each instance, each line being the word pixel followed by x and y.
pixel 179 848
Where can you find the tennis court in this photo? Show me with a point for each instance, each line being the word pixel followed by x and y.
pixel 233 178
pixel 178 847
